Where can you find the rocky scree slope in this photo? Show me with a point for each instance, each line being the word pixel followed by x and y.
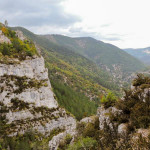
pixel 26 97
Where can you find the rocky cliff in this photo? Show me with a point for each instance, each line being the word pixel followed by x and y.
pixel 27 101
pixel 125 124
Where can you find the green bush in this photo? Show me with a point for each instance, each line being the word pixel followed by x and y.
pixel 109 100
pixel 64 143
pixel 136 105
pixel 84 143
pixel 17 48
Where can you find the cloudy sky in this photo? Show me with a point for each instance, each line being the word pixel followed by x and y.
pixel 124 23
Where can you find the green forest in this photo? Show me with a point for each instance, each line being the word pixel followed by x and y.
pixel 82 78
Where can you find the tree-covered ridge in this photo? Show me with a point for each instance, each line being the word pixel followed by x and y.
pixel 119 64
pixel 16 48
pixel 99 52
pixel 140 53
pixel 75 73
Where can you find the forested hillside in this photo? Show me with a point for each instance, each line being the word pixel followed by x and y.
pixel 75 79
pixel 119 63
pixel 142 54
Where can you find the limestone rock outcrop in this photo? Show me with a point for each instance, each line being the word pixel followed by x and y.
pixel 3 38
pixel 27 101
pixel 20 35
pixel 104 116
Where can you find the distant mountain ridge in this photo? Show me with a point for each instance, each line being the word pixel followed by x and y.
pixel 142 54
pixel 118 63
pixel 77 82
pixel 112 59
pixel 84 68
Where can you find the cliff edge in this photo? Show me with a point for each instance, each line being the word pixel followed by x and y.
pixel 26 98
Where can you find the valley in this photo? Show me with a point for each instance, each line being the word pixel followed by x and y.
pixel 57 90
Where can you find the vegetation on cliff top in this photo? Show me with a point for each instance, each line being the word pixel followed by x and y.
pixel 17 48
pixel 135 104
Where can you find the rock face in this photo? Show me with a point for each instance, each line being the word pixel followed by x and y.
pixel 3 38
pixel 70 129
pixel 27 101
pixel 20 35
pixel 32 70
pixel 87 120
pixel 104 116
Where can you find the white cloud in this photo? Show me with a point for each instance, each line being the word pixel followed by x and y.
pixel 127 19
pixel 124 23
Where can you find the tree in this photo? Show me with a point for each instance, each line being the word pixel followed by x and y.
pixel 6 23
pixel 109 100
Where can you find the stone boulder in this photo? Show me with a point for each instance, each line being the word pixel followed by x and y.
pixel 104 116
pixel 122 129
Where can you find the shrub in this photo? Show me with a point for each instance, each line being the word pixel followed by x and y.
pixel 64 143
pixel 136 105
pixel 109 100
pixel 84 143
pixel 17 48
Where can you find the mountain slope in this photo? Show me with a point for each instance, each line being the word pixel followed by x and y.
pixel 119 63
pixel 70 70
pixel 142 54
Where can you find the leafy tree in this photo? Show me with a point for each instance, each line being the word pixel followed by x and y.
pixel 6 23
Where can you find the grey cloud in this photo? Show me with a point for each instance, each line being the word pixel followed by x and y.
pixel 35 13
pixel 112 38
pixel 81 32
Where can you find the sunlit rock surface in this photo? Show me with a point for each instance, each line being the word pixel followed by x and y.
pixel 27 101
